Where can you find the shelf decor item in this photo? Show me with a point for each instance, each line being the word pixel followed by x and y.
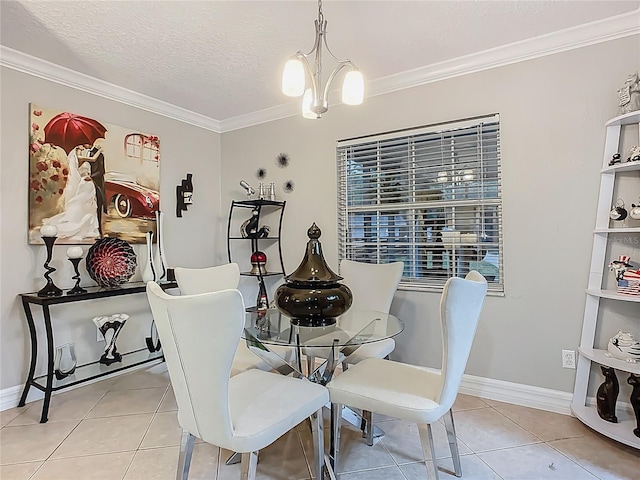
pixel 65 362
pixel 249 227
pixel 312 295
pixel 629 94
pixel 262 304
pixel 159 262
pixel 111 262
pixel 629 284
pixel 49 233
pixel 620 266
pixel 184 195
pixel 624 347
pixel 607 395
pixel 149 272
pixel 110 326
pixel 634 154
pixel 75 255
pixel 634 380
pixel 635 211
pixel 258 263
pixel 247 188
pixel 618 213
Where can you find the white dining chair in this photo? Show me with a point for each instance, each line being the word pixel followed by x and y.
pixel 373 287
pixel 415 393
pixel 192 281
pixel 244 413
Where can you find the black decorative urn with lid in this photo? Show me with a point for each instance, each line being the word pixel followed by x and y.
pixel 312 295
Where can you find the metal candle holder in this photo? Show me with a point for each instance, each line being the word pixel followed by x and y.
pixel 75 255
pixel 49 238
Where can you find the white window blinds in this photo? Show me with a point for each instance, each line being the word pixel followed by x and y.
pixel 429 196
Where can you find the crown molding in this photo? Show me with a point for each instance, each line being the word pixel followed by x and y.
pixel 604 30
pixel 37 67
pixel 600 31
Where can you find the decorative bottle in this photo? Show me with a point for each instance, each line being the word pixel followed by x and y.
pixel 149 272
pixel 262 302
pixel 159 262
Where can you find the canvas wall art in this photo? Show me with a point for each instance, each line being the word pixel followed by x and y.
pixel 91 179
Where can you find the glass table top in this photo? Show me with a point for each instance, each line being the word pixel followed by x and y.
pixel 355 327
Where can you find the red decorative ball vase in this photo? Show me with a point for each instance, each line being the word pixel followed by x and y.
pixel 111 262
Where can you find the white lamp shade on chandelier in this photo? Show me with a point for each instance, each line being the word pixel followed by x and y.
pixel 293 78
pixel 353 88
pixel 299 79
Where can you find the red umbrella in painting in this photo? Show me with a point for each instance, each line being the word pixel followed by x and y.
pixel 67 130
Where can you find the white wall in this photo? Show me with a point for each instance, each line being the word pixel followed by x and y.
pixel 552 113
pixel 189 241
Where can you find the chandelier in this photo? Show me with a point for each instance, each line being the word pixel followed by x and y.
pixel 315 96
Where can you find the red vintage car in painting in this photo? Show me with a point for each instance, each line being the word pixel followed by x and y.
pixel 129 199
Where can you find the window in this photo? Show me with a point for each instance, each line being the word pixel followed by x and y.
pixel 142 147
pixel 428 196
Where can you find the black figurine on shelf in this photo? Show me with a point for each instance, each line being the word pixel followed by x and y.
pixel 49 234
pixel 615 159
pixel 607 395
pixel 249 227
pixel 75 255
pixel 635 400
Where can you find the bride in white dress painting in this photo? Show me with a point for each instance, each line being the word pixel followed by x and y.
pixel 79 220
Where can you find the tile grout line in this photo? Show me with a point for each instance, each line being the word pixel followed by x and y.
pixel 571 460
pixel 66 437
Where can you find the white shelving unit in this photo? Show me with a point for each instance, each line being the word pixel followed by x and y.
pixel 588 353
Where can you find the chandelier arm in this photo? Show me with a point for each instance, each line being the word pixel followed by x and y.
pixel 326 45
pixel 325 95
pixel 305 64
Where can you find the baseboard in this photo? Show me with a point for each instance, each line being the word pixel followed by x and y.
pixel 9 397
pixel 518 394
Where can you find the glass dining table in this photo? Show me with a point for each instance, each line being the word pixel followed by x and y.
pixel 281 341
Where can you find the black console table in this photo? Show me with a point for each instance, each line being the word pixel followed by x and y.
pixel 86 372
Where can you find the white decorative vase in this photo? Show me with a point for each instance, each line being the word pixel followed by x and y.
pixel 159 261
pixel 149 272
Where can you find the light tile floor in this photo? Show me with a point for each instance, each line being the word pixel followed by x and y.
pixel 125 428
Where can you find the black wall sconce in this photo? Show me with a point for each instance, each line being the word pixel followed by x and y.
pixel 184 194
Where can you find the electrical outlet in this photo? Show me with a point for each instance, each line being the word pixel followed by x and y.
pixel 569 359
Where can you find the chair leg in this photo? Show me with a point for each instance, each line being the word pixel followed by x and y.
pixel 336 419
pixel 186 451
pixel 367 416
pixel 311 364
pixel 429 450
pixel 453 442
pixel 318 443
pixel 248 466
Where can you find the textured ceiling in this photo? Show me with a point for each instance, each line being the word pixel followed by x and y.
pixel 224 58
